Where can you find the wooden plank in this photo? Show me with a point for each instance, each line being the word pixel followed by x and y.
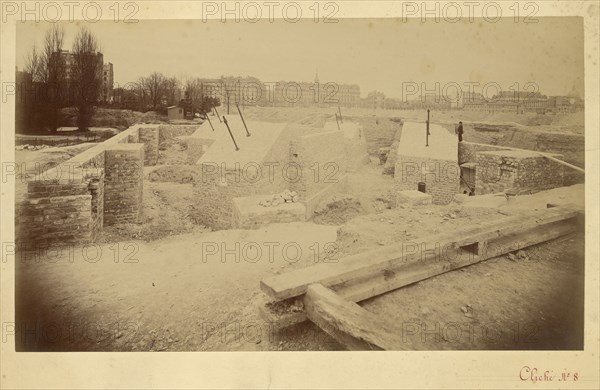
pixel 393 279
pixel 386 280
pixel 294 283
pixel 350 324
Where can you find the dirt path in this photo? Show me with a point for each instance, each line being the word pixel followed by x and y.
pixel 178 295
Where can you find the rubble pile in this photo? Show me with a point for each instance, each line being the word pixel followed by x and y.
pixel 286 196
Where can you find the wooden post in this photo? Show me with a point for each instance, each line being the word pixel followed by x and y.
pixel 209 122
pixel 230 133
pixel 427 127
pixel 243 121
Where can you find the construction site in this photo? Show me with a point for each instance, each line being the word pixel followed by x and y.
pixel 303 229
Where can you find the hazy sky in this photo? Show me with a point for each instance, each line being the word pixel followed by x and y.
pixel 377 54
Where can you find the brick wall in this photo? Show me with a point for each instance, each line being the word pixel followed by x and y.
pixel 60 211
pixel 71 202
pixel 149 137
pixel 123 184
pixel 441 177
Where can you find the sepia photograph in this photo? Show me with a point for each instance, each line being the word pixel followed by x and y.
pixel 286 177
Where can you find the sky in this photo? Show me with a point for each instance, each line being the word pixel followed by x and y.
pixel 377 54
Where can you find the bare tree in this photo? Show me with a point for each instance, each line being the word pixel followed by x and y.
pixel 154 85
pixel 194 92
pixel 51 64
pixel 34 65
pixel 86 76
pixel 172 91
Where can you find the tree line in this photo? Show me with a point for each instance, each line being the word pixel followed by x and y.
pixel 53 79
pixel 156 92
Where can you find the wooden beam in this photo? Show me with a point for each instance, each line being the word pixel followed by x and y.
pixel 350 324
pixel 404 274
pixel 389 280
pixel 295 283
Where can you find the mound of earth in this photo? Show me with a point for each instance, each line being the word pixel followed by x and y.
pixel 338 210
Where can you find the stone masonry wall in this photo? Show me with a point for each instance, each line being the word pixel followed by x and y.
pixel 149 137
pixel 497 173
pixel 123 184
pixel 57 211
pixel 571 146
pixel 441 177
pixel 467 151
pixel 540 173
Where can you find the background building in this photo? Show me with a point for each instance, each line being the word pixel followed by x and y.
pixel 107 83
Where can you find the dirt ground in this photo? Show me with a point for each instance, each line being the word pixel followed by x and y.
pixel 186 292
pixel 170 284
